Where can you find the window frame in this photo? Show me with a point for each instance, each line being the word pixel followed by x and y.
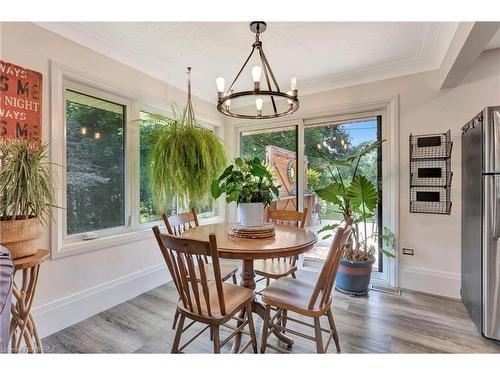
pixel 62 77
pixel 105 96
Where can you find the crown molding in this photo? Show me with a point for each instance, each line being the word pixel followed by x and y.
pixel 119 51
pixel 429 57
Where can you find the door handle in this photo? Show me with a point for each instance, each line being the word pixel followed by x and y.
pixel 496 207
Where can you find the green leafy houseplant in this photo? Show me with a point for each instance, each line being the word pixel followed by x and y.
pixel 247 181
pixel 183 160
pixel 356 198
pixel 27 194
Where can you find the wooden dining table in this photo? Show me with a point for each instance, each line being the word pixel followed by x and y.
pixel 288 241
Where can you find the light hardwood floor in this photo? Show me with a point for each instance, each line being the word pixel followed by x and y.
pixel 379 323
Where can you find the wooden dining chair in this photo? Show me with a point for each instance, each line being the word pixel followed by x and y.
pixel 176 225
pixel 276 268
pixel 203 300
pixel 306 299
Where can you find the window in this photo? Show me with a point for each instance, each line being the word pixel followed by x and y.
pixel 147 212
pixel 146 208
pixel 100 140
pixel 95 163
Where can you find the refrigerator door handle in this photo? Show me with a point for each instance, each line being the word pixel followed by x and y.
pixel 496 207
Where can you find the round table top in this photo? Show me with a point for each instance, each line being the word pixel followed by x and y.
pixel 288 241
pixel 31 261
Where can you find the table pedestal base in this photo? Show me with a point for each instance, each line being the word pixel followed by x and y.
pixel 248 281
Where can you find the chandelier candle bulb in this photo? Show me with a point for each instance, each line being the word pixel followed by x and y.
pixel 258 104
pixel 293 85
pixel 256 74
pixel 220 82
pixel 84 131
pixel 288 100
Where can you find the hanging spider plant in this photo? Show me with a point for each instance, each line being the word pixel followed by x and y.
pixel 183 160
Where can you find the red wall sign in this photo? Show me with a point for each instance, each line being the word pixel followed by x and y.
pixel 20 102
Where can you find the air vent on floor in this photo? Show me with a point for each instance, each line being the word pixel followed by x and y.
pixel 386 289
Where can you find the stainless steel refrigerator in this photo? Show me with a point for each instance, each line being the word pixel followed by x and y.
pixel 481 221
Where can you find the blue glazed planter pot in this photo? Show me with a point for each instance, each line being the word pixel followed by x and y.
pixel 354 277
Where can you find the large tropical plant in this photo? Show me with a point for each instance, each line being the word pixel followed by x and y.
pixel 356 198
pixel 183 160
pixel 25 181
pixel 247 181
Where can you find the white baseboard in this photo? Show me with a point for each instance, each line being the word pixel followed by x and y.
pixel 74 308
pixel 431 281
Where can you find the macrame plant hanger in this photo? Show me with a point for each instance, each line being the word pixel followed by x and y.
pixel 188 114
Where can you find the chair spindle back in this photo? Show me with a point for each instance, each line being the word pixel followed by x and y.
pixel 287 217
pixel 177 224
pixel 328 273
pixel 182 255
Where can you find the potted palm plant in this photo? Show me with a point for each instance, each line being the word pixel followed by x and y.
pixel 356 199
pixel 251 185
pixel 27 194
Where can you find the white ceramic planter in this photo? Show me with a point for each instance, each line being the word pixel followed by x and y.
pixel 251 214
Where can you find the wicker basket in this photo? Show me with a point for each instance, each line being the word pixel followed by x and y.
pixel 264 231
pixel 20 236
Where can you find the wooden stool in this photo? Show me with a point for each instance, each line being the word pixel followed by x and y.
pixel 22 325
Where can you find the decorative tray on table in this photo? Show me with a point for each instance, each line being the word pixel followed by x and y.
pixel 263 231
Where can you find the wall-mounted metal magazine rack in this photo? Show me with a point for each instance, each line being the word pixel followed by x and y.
pixel 430 173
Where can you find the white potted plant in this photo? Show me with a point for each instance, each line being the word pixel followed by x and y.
pixel 251 185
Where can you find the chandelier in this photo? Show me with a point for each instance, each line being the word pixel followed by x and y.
pixel 273 98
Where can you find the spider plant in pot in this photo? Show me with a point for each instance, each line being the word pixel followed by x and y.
pixel 250 184
pixel 27 195
pixel 356 199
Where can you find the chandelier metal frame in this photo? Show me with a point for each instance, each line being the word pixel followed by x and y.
pixel 223 106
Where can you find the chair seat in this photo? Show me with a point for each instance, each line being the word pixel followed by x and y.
pixel 293 294
pixel 235 297
pixel 274 269
pixel 226 271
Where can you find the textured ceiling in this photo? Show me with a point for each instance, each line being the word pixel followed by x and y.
pixel 322 55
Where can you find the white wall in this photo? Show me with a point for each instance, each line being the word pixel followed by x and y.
pixel 424 108
pixel 73 288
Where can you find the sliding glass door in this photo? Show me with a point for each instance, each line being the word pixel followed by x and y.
pixel 323 141
pixel 327 141
pixel 278 148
